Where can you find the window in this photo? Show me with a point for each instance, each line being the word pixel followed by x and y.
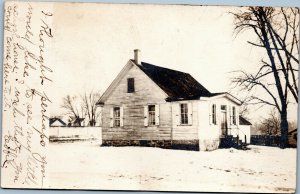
pixel 151 113
pixel 116 116
pixel 184 113
pixel 233 115
pixel 223 107
pixel 214 114
pixel 130 85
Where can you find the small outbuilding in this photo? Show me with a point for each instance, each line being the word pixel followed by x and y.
pixel 245 130
pixel 292 138
pixel 56 122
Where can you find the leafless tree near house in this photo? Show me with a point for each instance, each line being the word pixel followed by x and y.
pixel 82 106
pixel 244 111
pixel 271 125
pixel 277 32
pixel 72 108
pixel 89 103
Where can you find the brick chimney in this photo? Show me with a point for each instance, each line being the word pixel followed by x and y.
pixel 137 56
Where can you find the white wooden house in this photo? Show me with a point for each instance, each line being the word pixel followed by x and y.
pixel 155 106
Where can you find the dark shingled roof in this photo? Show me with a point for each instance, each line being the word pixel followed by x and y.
pixel 243 121
pixel 177 85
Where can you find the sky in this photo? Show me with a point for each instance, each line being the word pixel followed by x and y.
pixel 94 42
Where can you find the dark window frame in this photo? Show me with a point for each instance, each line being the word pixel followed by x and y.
pixel 151 115
pixel 214 114
pixel 233 115
pixel 184 118
pixel 117 116
pixel 223 107
pixel 130 85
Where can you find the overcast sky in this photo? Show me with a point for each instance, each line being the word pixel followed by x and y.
pixel 93 42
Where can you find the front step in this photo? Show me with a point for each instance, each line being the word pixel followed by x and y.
pixel 229 141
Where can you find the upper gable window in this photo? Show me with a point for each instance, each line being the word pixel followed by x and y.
pixel 130 85
pixel 223 107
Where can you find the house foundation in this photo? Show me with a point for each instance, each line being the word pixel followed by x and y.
pixel 209 144
pixel 167 144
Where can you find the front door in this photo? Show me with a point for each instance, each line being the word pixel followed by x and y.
pixel 224 126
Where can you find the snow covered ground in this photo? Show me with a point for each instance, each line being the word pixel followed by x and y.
pixel 86 165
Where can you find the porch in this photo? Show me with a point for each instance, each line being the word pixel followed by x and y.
pixel 229 141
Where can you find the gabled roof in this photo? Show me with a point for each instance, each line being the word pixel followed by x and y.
pixel 176 84
pixel 226 95
pixel 244 121
pixel 77 119
pixel 52 120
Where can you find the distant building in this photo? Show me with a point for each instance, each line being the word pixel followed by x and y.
pixel 292 138
pixel 245 130
pixel 76 122
pixel 56 122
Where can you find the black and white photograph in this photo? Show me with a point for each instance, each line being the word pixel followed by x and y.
pixel 150 97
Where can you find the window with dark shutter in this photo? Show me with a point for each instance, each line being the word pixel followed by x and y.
pixel 130 85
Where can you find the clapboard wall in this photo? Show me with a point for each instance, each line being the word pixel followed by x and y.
pixel 133 105
pixel 133 112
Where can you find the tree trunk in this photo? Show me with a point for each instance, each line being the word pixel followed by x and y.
pixel 284 126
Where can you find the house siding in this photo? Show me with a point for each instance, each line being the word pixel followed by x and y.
pixel 209 133
pixel 146 93
pixel 189 131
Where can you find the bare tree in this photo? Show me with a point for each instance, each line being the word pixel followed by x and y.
pixel 73 108
pixel 277 32
pixel 89 104
pixel 271 125
pixel 244 110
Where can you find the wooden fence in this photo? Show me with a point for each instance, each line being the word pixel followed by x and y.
pixel 265 140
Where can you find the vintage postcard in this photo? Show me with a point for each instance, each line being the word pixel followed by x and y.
pixel 149 97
